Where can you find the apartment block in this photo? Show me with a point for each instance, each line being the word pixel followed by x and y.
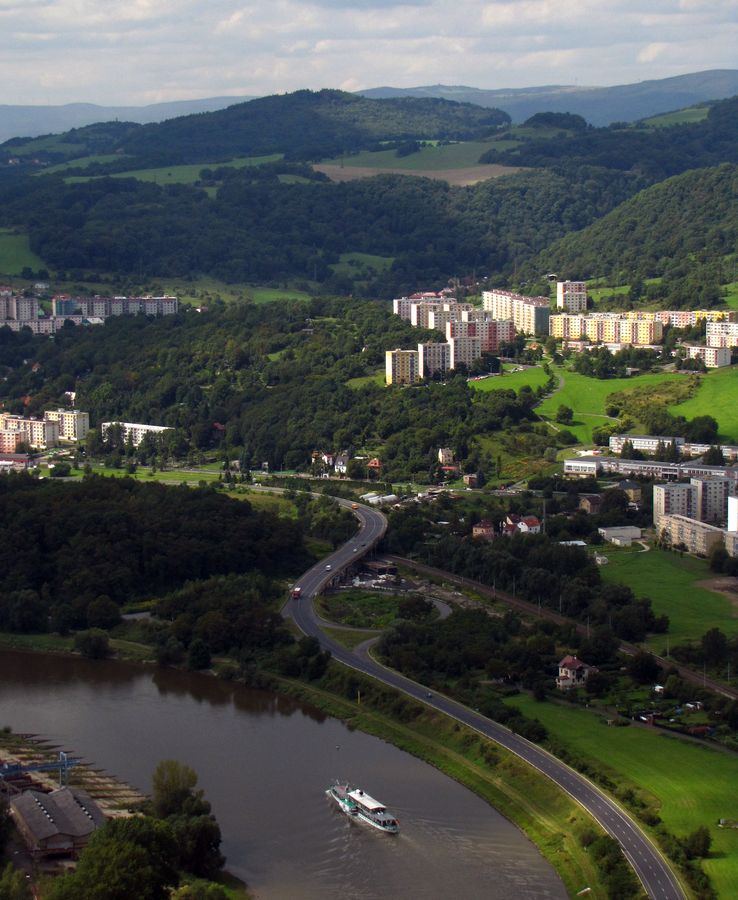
pixel 722 334
pixel 135 431
pixel 529 314
pixel 433 357
pixel 697 537
pixel 37 433
pixel 674 499
pixel 571 296
pixel 438 319
pixel 713 357
pixel 646 443
pixel 402 366
pixel 606 328
pixel 464 350
pixel 711 498
pixel 420 311
pixel 490 332
pixel 704 499
pixel 74 424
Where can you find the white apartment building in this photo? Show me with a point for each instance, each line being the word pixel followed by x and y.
pixel 571 296
pixel 401 366
pixel 529 314
pixel 464 350
pixel 420 311
pixel 433 357
pixel 74 424
pixel 401 307
pixel 438 319
pixel 713 357
pixel 646 443
pixel 722 334
pixel 133 430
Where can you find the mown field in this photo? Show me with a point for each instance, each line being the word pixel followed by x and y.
pixel 717 397
pixel 16 254
pixel 586 396
pixel 80 163
pixel 365 380
pixel 679 117
pixel 446 156
pixel 690 781
pixel 671 581
pixel 534 376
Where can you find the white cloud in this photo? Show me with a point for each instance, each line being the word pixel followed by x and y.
pixel 141 51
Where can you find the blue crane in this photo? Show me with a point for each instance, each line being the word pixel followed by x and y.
pixel 63 764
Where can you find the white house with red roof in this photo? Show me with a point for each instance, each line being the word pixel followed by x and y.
pixel 573 673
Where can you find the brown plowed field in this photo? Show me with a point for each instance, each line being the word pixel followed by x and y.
pixel 462 177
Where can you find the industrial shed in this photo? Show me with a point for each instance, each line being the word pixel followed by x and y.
pixel 59 823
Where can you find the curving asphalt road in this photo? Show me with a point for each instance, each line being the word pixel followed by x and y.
pixel 650 866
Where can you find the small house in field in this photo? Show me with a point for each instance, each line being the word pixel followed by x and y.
pixel 573 673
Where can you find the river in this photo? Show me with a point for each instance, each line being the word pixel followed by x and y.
pixel 264 762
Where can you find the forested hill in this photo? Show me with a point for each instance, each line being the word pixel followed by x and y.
pixel 259 229
pixel 301 125
pixel 688 221
pixel 654 153
pixel 309 125
pixel 106 539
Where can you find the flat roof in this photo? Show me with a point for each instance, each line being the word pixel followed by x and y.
pixel 366 801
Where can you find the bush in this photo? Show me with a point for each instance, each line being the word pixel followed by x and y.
pixel 92 644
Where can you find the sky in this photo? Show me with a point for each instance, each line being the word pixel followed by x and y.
pixel 134 52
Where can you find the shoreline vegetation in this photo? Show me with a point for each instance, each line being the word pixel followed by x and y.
pixel 571 841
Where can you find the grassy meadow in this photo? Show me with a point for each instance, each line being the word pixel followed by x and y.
pixel 185 174
pixel 16 253
pixel 446 156
pixel 587 396
pixel 689 780
pixel 678 117
pixel 718 397
pixel 534 376
pixel 672 583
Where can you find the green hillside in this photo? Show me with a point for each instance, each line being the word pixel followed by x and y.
pixel 693 216
pixel 310 125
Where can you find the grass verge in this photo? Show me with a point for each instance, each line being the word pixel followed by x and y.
pixel 548 816
pixel 689 781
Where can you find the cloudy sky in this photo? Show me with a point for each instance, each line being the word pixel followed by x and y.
pixel 145 51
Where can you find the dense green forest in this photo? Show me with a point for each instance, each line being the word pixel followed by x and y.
pixel 254 225
pixel 273 378
pixel 681 229
pixel 653 153
pixel 76 552
pixel 260 229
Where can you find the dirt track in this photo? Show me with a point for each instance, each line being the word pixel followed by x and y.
pixel 461 177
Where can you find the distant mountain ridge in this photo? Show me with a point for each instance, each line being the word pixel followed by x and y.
pixel 598 105
pixel 32 121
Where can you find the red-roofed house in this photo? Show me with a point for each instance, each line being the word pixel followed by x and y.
pixel 530 525
pixel 573 673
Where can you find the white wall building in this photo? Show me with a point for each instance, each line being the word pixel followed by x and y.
pixel 135 431
pixel 571 296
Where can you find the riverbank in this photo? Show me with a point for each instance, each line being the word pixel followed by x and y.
pixel 552 821
pixel 555 823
